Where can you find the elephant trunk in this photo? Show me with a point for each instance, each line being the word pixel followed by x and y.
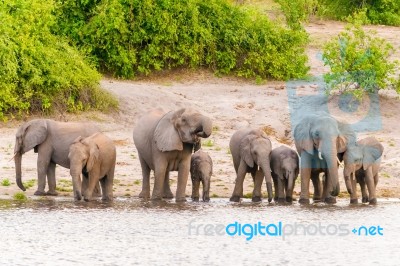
pixel 347 173
pixel 75 172
pixel 266 168
pixel 289 191
pixel 18 173
pixel 205 129
pixel 329 153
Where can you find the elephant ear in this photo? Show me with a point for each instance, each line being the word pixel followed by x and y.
pixel 166 136
pixel 94 154
pixel 302 137
pixel 245 150
pixel 30 135
pixel 371 153
pixel 346 138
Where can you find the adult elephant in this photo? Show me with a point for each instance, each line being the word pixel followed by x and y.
pixel 251 152
pixel 50 140
pixel 165 142
pixel 319 138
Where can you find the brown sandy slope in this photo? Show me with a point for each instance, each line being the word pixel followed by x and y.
pixel 232 103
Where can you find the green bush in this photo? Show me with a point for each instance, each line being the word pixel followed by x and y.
pixel 297 11
pixel 128 38
pixel 385 12
pixel 359 62
pixel 39 71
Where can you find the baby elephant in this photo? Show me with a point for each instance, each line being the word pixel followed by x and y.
pixel 94 157
pixel 361 165
pixel 201 170
pixel 285 169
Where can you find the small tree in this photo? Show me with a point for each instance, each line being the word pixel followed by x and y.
pixel 359 63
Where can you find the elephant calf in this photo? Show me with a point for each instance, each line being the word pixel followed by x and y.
pixel 94 156
pixel 201 167
pixel 362 161
pixel 251 151
pixel 285 169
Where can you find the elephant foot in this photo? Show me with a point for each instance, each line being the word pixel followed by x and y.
pixel 289 199
pixel 52 193
pixel 40 193
pixel 107 199
pixel 156 198
pixel 276 199
pixel 304 201
pixel 353 201
pixel 180 199
pixel 235 199
pixel 144 194
pixel 317 199
pixel 330 200
pixel 206 199
pixel 281 200
pixel 168 195
pixel 256 199
pixel 373 201
pixel 364 199
pixel 196 199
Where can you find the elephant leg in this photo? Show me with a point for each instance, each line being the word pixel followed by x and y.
pixel 97 190
pixel 42 167
pixel 159 176
pixel 353 196
pixel 238 190
pixel 258 179
pixel 195 189
pixel 183 175
pixel 167 189
pixel 145 193
pixel 364 193
pixel 305 174
pixel 107 186
pixel 51 179
pixel 275 179
pixel 371 186
pixel 317 186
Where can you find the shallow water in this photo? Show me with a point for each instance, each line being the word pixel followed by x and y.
pixel 128 232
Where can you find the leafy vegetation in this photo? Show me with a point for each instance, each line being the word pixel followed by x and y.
pixel 5 182
pixel 30 183
pixel 39 71
pixel 128 38
pixel 20 196
pixel 359 63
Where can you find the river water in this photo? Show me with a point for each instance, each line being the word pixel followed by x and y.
pixel 134 232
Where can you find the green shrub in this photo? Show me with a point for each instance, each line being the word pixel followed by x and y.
pixel 128 38
pixel 385 12
pixel 297 11
pixel 359 62
pixel 5 182
pixel 20 196
pixel 39 71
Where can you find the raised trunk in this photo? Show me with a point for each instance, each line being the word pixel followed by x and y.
pixel 268 178
pixel 18 173
pixel 206 128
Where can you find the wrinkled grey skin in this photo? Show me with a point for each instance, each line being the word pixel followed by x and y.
pixel 251 151
pixel 165 142
pixel 285 169
pixel 50 140
pixel 201 169
pixel 96 156
pixel 363 161
pixel 319 138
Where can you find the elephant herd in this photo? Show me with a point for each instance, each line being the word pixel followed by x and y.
pixel 171 141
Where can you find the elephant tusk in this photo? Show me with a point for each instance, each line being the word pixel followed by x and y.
pixel 319 155
pixel 339 162
pixel 12 158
